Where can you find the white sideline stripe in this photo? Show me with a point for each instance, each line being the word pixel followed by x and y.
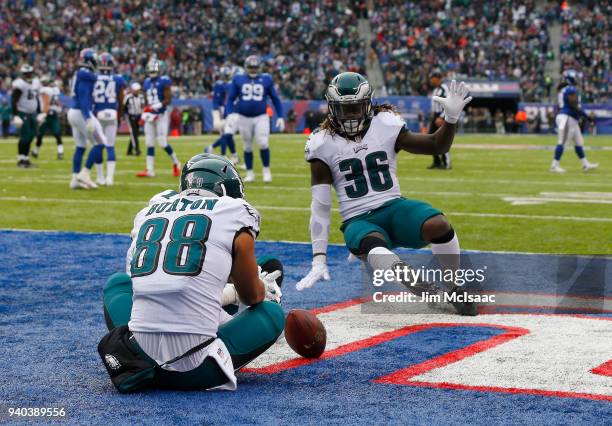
pixel 307 209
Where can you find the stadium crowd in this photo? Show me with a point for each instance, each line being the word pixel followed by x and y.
pixel 302 43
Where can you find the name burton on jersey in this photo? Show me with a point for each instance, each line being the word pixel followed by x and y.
pixel 184 203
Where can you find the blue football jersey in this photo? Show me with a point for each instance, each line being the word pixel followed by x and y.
pixel 106 91
pixel 252 94
pixel 564 105
pixel 82 91
pixel 220 91
pixel 154 90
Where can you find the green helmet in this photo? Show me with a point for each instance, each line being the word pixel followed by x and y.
pixel 212 173
pixel 349 103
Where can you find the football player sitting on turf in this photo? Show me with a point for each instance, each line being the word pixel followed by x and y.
pixel 355 150
pixel 166 314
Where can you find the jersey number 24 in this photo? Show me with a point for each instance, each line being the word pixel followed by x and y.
pixel 183 255
pixel 104 92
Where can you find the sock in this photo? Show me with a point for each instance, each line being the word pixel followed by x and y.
pixel 94 154
pixel 110 169
pixel 217 142
pixel 580 152
pixel 223 143
pixel 448 253
pixel 60 148
pixel 265 157
pixel 77 159
pixel 172 154
pixel 248 160
pixel 100 171
pixel 150 158
pixel 110 150
pixel 229 141
pixel 555 163
pixel 558 152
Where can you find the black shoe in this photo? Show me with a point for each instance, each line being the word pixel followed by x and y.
pixel 137 153
pixel 34 154
pixel 21 163
pixel 60 156
pixel 463 308
pixel 433 166
pixel 129 153
pixel 26 164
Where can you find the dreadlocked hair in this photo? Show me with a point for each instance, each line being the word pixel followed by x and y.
pixel 329 126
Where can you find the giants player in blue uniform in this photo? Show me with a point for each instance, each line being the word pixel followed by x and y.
pixel 568 126
pixel 85 125
pixel 226 127
pixel 158 96
pixel 108 101
pixel 252 90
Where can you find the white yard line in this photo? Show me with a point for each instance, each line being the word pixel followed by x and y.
pixel 307 209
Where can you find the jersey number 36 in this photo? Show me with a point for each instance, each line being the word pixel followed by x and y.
pixel 377 169
pixel 183 254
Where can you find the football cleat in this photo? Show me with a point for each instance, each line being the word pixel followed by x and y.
pixel 250 176
pixel 208 149
pixel 60 156
pixel 84 178
pixel 267 176
pixel 463 308
pixel 145 173
pixel 557 169
pixel 75 184
pixel 589 166
pixel 100 181
pixel 234 159
pixel 176 170
pixel 34 153
pixel 109 181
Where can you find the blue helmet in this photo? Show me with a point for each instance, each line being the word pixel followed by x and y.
pixel 154 67
pixel 570 76
pixel 252 65
pixel 106 62
pixel 88 58
pixel 225 73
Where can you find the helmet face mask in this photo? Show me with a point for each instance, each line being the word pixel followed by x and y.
pixel 27 72
pixel 153 68
pixel 212 173
pixel 349 103
pixel 252 65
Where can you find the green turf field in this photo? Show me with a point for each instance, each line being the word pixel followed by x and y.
pixel 499 196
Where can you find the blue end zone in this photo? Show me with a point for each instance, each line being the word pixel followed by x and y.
pixel 51 318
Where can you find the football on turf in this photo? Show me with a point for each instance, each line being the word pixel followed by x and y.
pixel 305 333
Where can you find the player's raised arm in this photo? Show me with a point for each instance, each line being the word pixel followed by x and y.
pixel 320 212
pixel 440 141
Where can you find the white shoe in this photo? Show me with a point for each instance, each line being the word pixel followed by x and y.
pixel 208 149
pixel 234 159
pixel 100 181
pixel 75 184
pixel 557 169
pixel 84 178
pixel 242 167
pixel 250 177
pixel 267 176
pixel 109 181
pixel 589 166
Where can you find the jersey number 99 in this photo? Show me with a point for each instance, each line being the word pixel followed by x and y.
pixel 252 92
pixel 183 255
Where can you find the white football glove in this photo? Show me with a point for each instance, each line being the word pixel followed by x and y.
pixel 273 291
pixel 454 102
pixel 280 123
pixel 317 273
pixel 40 118
pixel 90 126
pixel 157 106
pixel 17 122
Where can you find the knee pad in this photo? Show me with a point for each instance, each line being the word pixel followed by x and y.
pixel 116 280
pixel 368 243
pixel 444 238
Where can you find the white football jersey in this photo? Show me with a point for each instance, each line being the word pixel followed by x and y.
pixel 54 101
pixel 181 257
pixel 28 101
pixel 363 171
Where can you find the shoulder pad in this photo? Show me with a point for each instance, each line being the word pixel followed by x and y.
pixel 315 145
pixel 389 118
pixel 17 83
